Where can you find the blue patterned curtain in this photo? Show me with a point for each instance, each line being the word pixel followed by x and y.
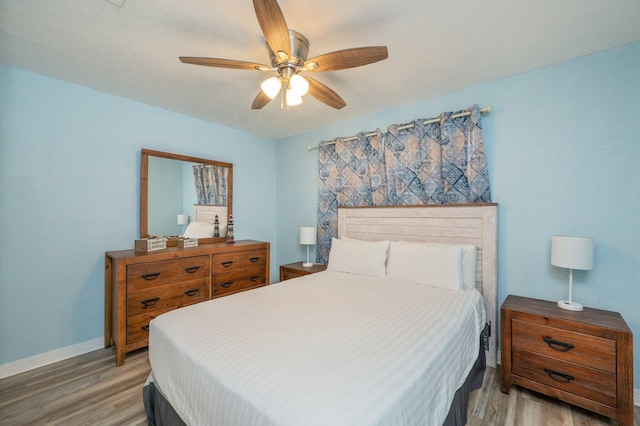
pixel 411 164
pixel 211 184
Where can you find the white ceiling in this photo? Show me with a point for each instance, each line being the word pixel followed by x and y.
pixel 130 48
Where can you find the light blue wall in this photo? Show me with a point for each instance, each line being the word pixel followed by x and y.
pixel 188 191
pixel 69 191
pixel 563 150
pixel 69 182
pixel 165 196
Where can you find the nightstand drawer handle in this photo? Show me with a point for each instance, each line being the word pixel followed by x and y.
pixel 149 302
pixel 191 269
pixel 556 345
pixel 559 377
pixel 227 263
pixel 255 278
pixel 150 277
pixel 227 284
pixel 254 259
pixel 145 327
pixel 192 292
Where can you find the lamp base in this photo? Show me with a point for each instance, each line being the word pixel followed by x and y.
pixel 307 264
pixel 570 306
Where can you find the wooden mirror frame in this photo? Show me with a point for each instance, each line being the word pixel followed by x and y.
pixel 144 187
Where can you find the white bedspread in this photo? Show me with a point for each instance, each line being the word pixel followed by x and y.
pixel 325 349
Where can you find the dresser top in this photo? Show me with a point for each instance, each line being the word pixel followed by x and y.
pixel 548 309
pixel 170 252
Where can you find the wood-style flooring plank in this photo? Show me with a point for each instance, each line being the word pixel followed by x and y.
pixel 91 390
pixel 88 389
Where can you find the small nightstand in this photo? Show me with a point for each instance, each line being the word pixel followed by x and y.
pixel 583 358
pixel 294 270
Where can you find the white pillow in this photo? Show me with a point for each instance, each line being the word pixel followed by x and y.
pixel 358 257
pixel 199 230
pixel 469 253
pixel 436 265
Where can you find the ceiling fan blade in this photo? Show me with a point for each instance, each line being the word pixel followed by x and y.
pixel 274 27
pixel 348 58
pixel 224 63
pixel 261 100
pixel 325 94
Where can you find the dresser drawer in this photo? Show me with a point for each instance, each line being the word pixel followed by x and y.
pixel 232 282
pixel 586 382
pixel 161 298
pixel 138 326
pixel 288 274
pixel 590 351
pixel 226 262
pixel 151 274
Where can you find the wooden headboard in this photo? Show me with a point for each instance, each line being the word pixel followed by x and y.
pixel 451 224
pixel 204 213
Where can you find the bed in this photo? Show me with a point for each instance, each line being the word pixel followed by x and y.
pixel 361 343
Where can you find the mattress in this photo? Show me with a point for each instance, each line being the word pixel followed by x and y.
pixel 327 348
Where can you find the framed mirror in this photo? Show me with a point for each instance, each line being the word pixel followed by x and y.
pixel 171 185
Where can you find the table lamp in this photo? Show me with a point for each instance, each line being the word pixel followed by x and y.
pixel 182 221
pixel 572 253
pixel 308 238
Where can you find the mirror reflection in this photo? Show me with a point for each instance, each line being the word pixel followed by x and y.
pixel 177 190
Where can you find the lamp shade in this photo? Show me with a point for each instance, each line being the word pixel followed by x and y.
pixel 271 86
pixel 572 252
pixel 308 235
pixel 182 219
pixel 299 86
pixel 292 98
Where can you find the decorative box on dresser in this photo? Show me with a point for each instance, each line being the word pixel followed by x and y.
pixel 141 286
pixel 294 270
pixel 583 358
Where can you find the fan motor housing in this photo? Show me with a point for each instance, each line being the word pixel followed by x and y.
pixel 299 50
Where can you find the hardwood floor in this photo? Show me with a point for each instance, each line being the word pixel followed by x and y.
pixel 85 390
pixel 90 390
pixel 489 406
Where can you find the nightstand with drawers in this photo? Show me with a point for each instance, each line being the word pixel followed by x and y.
pixel 294 270
pixel 583 358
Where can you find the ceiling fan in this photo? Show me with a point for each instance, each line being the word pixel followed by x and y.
pixel 288 53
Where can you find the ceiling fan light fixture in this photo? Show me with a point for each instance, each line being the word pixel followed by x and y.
pixel 299 86
pixel 271 86
pixel 292 98
pixel 288 51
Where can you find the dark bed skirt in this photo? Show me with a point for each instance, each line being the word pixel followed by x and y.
pixel 161 413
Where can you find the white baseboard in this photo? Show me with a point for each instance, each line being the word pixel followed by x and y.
pixel 26 364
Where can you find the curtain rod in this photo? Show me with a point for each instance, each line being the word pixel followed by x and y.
pixel 485 110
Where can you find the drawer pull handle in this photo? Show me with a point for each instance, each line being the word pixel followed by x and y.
pixel 254 259
pixel 255 278
pixel 559 377
pixel 227 263
pixel 556 345
pixel 191 269
pixel 192 292
pixel 151 277
pixel 145 327
pixel 227 284
pixel 149 302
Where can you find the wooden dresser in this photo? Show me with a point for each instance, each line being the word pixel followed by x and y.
pixel 141 286
pixel 583 358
